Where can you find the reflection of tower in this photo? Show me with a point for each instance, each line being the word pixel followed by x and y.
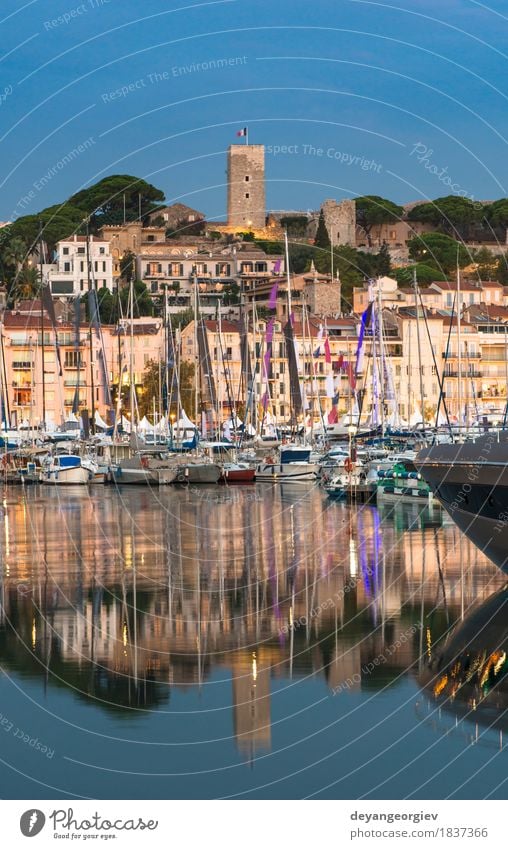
pixel 246 186
pixel 251 706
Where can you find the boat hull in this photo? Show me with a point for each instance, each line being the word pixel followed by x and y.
pixel 238 475
pixel 282 472
pixel 198 473
pixel 65 477
pixel 471 482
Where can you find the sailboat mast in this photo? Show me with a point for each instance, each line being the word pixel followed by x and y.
pixel 43 382
pixel 288 275
pixel 197 377
pixel 418 342
pixel 459 345
pixel 131 352
pixel 91 306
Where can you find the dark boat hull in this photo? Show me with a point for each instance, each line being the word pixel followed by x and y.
pixel 471 483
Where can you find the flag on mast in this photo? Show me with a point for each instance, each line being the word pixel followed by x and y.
pixel 243 132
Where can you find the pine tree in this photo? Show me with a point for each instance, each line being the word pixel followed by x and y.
pixel 322 239
pixel 383 261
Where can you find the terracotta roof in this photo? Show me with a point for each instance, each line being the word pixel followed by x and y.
pixel 451 285
pixel 226 326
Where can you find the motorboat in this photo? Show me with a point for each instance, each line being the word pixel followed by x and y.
pixel 293 464
pixel 470 480
pixel 63 469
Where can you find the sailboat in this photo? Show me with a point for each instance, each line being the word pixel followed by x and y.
pixel 294 461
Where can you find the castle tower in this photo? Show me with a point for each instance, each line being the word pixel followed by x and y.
pixel 246 186
pixel 340 220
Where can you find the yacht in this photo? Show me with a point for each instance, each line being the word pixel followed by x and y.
pixel 470 480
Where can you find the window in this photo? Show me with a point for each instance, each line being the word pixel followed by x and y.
pixel 81 266
pixel 247 195
pixel 104 266
pixel 175 269
pixel 247 178
pixel 73 359
pixel 102 250
pixel 81 251
pixel 281 388
pixel 222 269
pixel 67 266
pixel 65 251
pixel 201 268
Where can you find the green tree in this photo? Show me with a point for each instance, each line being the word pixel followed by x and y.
pixel 383 262
pixel 151 388
pixel 486 264
pixel 58 222
pixel 14 254
pixel 128 266
pixel 501 274
pixel 496 215
pixel 106 200
pixel 373 210
pixel 295 225
pixel 439 251
pixel 425 274
pixel 451 215
pixel 322 238
pixel 143 303
pixel 27 283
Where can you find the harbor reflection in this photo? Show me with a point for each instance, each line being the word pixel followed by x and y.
pixel 466 676
pixel 125 596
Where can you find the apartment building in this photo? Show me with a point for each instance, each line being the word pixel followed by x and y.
pixel 68 381
pixel 217 273
pixel 67 277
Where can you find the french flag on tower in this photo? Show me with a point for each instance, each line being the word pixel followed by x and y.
pixel 242 132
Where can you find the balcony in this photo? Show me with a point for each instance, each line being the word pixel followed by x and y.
pixel 464 374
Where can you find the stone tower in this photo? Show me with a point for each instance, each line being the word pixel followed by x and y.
pixel 340 220
pixel 246 186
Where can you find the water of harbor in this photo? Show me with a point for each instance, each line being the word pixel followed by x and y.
pixel 251 642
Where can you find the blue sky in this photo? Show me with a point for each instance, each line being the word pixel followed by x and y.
pixel 399 97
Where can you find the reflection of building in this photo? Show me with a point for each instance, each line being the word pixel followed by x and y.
pixel 251 704
pixel 76 567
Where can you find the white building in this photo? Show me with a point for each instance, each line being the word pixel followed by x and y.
pixel 68 276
